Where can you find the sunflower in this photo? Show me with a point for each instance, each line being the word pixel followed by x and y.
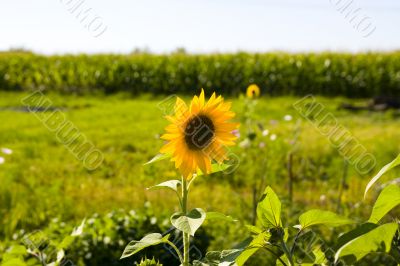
pixel 253 91
pixel 199 133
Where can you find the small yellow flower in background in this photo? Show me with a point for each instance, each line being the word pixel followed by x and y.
pixel 253 91
pixel 199 133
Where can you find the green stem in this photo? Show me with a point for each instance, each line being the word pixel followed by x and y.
pixel 295 242
pixel 287 252
pixel 41 258
pixel 176 250
pixel 276 255
pixel 186 237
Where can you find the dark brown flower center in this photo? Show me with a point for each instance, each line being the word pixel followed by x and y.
pixel 199 132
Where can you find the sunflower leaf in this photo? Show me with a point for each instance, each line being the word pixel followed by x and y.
pixel 269 209
pixel 159 157
pixel 258 242
pixel 220 216
pixel 387 200
pixel 385 169
pixel 215 168
pixel 189 223
pixel 149 240
pixel 320 217
pixel 377 239
pixel 254 229
pixel 170 184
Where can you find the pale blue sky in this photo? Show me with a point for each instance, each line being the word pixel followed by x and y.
pixel 46 26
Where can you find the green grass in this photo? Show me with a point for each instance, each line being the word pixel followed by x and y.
pixel 42 179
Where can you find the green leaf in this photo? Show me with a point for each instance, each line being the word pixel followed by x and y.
pixel 387 200
pixel 358 231
pixel 284 259
pixel 66 242
pixel 215 168
pixel 377 239
pixel 17 250
pixel 171 184
pixel 190 222
pixel 285 234
pixel 220 216
pixel 211 258
pixel 158 157
pixel 269 209
pixel 385 169
pixel 208 261
pixel 215 258
pixel 254 229
pixel 320 258
pixel 78 230
pixel 149 240
pixel 13 262
pixel 317 257
pixel 228 257
pixel 320 217
pixel 257 243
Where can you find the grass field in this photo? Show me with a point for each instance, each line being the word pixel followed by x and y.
pixel 42 180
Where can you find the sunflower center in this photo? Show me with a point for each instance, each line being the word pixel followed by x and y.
pixel 199 132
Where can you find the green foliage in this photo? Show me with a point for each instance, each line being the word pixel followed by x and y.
pixel 171 184
pixel 320 217
pixel 269 209
pixel 387 200
pixel 14 256
pixel 216 258
pixel 273 237
pixel 257 243
pixel 190 222
pixel 383 171
pixel 158 157
pixel 215 168
pixel 378 239
pixel 39 249
pixel 370 237
pixel 149 240
pixel 329 74
pixel 219 216
pixel 102 239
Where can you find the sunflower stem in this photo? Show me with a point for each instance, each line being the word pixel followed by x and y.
pixel 186 237
pixel 287 252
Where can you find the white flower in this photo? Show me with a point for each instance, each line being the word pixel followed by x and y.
pixel 322 198
pixel 261 145
pixel 265 132
pixel 153 220
pixel 2 160
pixel 272 137
pixel 6 151
pixel 287 117
pixel 107 240
pixel 245 143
